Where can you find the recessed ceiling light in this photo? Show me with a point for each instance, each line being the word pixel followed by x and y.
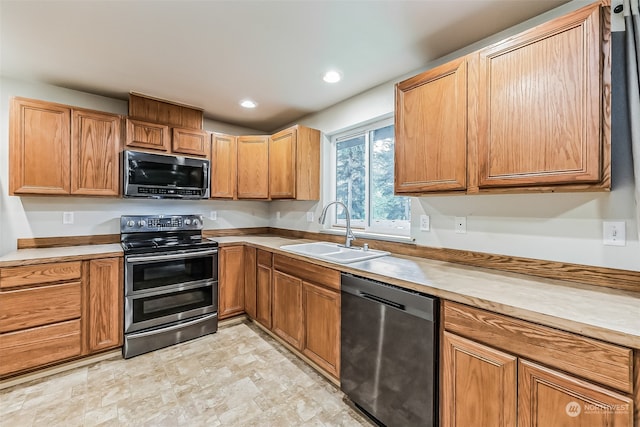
pixel 247 103
pixel 332 76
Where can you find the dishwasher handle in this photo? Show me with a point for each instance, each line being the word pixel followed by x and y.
pixel 382 301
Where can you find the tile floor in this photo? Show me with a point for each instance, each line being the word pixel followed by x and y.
pixel 238 376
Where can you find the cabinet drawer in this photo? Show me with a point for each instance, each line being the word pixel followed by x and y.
pixel 26 308
pixel 595 360
pixel 39 274
pixel 264 258
pixel 38 346
pixel 307 271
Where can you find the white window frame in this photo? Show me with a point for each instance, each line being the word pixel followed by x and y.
pixel 360 227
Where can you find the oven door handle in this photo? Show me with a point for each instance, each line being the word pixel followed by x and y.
pixel 134 258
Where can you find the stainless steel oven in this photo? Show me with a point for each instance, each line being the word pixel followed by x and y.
pixel 171 281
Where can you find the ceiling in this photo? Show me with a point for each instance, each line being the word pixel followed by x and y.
pixel 211 54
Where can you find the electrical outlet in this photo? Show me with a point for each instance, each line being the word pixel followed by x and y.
pixel 278 215
pixel 213 215
pixel 67 217
pixel 309 216
pixel 424 223
pixel 461 224
pixel 614 233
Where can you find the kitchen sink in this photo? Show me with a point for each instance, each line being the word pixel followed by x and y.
pixel 334 252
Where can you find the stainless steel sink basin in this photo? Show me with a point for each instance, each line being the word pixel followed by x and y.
pixel 333 252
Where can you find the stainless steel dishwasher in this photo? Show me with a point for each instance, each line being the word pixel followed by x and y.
pixel 389 352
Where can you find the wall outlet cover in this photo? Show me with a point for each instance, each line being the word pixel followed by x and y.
pixel 614 233
pixel 309 216
pixel 67 217
pixel 425 223
pixel 460 224
pixel 213 215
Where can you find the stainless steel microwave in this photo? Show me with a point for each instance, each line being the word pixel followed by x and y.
pixel 161 176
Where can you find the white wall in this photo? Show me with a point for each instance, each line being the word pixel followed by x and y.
pixel 36 216
pixel 560 227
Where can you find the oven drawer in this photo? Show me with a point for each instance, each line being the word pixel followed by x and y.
pixel 27 308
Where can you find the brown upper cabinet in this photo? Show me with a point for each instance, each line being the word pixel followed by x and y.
pixel 253 167
pixel 152 136
pixel 59 149
pixel 193 142
pixel 430 125
pixel 529 113
pixel 224 166
pixel 294 164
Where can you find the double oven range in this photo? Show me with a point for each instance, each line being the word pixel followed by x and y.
pixel 171 281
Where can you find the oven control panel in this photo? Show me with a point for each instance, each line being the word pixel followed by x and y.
pixel 146 223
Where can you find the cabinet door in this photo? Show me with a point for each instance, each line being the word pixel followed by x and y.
pixel 190 141
pixel 287 308
pixel 430 126
pixel 105 301
pixel 551 398
pixel 282 164
pixel 253 167
pixel 264 289
pixel 152 136
pixel 250 281
pixel 40 139
pixel 322 327
pixel 231 281
pixel 224 168
pixel 479 384
pixel 95 149
pixel 539 105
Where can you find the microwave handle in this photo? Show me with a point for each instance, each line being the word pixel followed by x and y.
pixel 170 256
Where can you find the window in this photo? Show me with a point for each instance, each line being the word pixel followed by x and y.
pixel 363 165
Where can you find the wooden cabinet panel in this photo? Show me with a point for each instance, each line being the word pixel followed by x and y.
pixel 539 104
pixel 27 308
pixel 250 293
pixel 253 167
pixel 153 136
pixel 161 111
pixel 282 164
pixel 39 147
pixel 224 168
pixel 307 170
pixel 322 327
pixel 308 271
pixel 34 347
pixel 95 149
pixel 264 292
pixel 595 360
pixel 190 141
pixel 39 274
pixel 105 304
pixel 479 384
pixel 550 398
pixel 231 281
pixel 430 126
pixel 287 315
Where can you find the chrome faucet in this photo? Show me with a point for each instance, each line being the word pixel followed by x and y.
pixel 349 237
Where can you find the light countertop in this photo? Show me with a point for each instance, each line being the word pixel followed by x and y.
pixel 607 314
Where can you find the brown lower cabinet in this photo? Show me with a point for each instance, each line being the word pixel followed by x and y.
pixel 53 312
pixel 264 288
pixel 488 377
pixel 231 281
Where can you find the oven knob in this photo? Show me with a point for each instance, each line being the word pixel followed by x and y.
pixel 130 223
pixel 187 221
pixel 141 223
pixel 196 223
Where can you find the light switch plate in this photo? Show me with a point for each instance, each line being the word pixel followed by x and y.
pixel 614 233
pixel 461 224
pixel 424 223
pixel 310 216
pixel 213 215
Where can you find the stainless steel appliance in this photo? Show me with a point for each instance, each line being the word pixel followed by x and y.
pixel 165 176
pixel 171 281
pixel 389 352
